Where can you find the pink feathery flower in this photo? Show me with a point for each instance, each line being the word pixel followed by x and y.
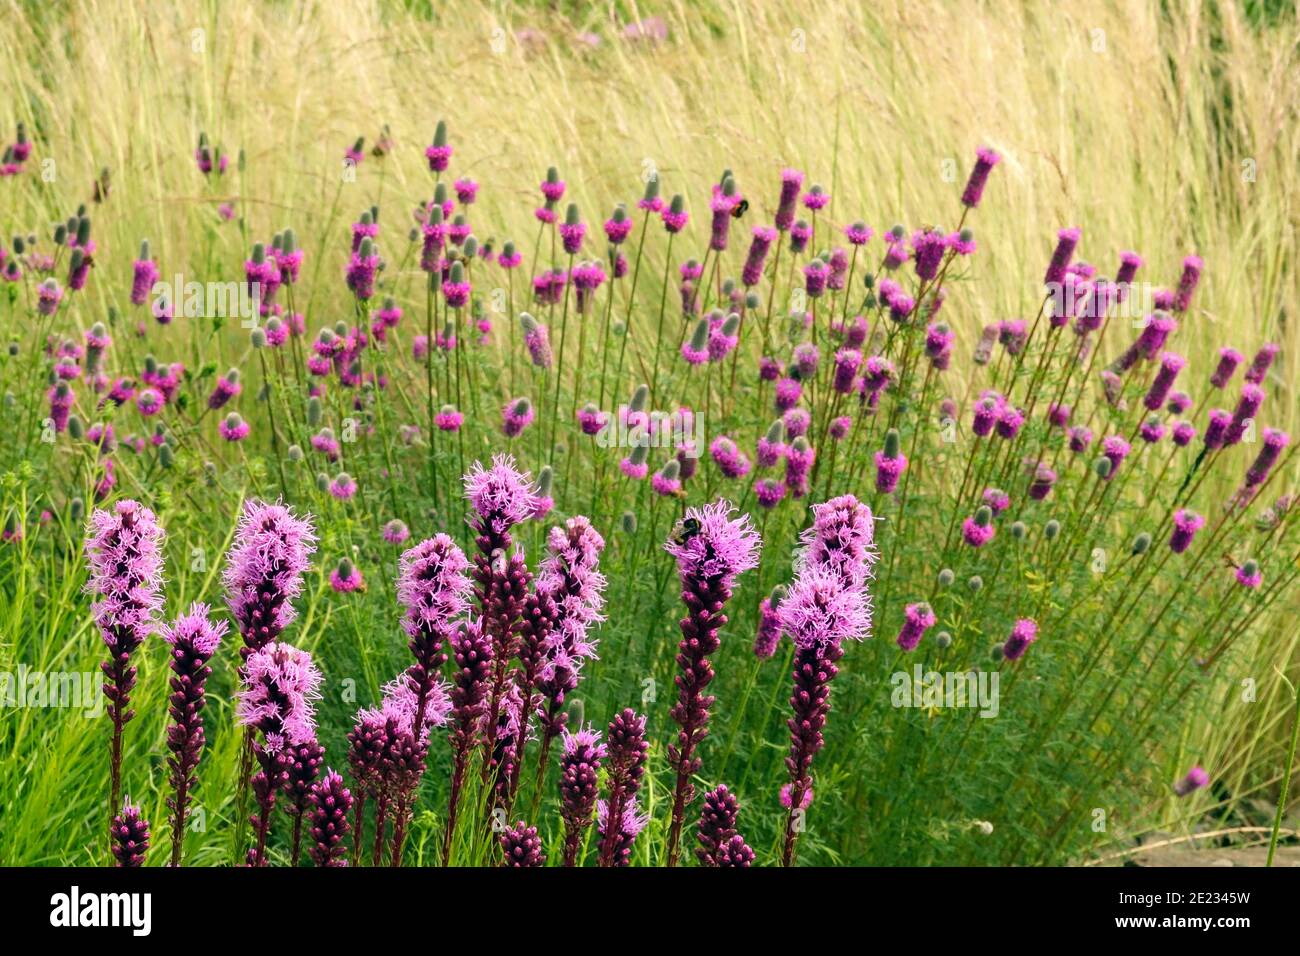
pixel 1196 779
pixel 629 823
pixel 264 567
pixel 1023 633
pixel 516 415
pixel 824 607
pixel 1186 524
pixel 1261 363
pixel 917 619
pixel 124 554
pixel 501 495
pixel 841 539
pixel 280 687
pixel 985 160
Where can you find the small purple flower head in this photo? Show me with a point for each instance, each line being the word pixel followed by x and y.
pixel 816 273
pixel 787 394
pixel 985 415
pixel 439 153
pixel 816 198
pixel 800 233
pixel 1229 359
pixel 1187 282
pixel 280 688
pixel 521 847
pixel 1170 365
pixel 516 415
pixel 396 531
pixel 1115 450
pixel 721 547
pixel 1249 575
pixel 130 837
pixel 448 419
pixel 264 567
pixel 997 500
pixel 501 495
pixel 917 619
pixel 1023 633
pixel 343 487
pixel 675 215
pixel 796 422
pixel 330 802
pixel 1261 363
pixel 890 464
pixel 233 428
pixel 1152 430
pixel 1040 485
pixel 787 205
pixel 824 607
pixel 1274 441
pixel 858 233
pixel 1058 415
pixel 760 243
pixel 124 553
pixel 1066 242
pixel 1196 779
pixel 928 249
pixel 227 387
pixel 1252 397
pixel 769 492
pixel 1186 524
pixel 769 624
pixel 1009 421
pixel 979 530
pixel 346 578
pixel 537 339
pixel 985 160
pixel 1216 431
pixel 1183 434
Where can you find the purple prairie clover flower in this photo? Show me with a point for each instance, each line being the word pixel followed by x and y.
pixel 1249 575
pixel 890 464
pixel 1261 363
pixel 877 373
pixel 1129 264
pixel 771 447
pixel 796 422
pixel 124 554
pixel 717 824
pixel 360 272
pixel 396 531
pixel 858 233
pixel 1269 452
pixel 1012 335
pixel 130 833
pixel 1152 430
pixel 1159 326
pixel 917 619
pixel 938 340
pixel 622 832
pixel 769 492
pixel 839 427
pixel 1196 779
pixel 537 339
pixel 587 278
pixel 816 273
pixel 722 204
pixel 839 265
pixel 625 754
pixel 1186 524
pixel 1115 450
pixel 579 769
pixel 787 394
pixel 799 460
pixel 788 203
pixel 438 153
pixel 847 363
pixel 768 634
pixel 800 233
pixel 1178 403
pixel 1252 397
pixel 978 530
pixel 61 398
pixel 634 465
pixel 760 243
pixel 455 290
pixel 1187 283
pixel 729 459
pixel 193 638
pixel 675 216
pixel 573 230
pixel 329 802
pixel 1010 419
pixel 769 370
pixel 984 347
pixel 367 228
pixel 472 650
pixel 1066 242
pixel 48 297
pixel 985 160
pixel 618 227
pixel 1040 485
pixel 516 415
pixel 1183 434
pixel 806 359
pixel 1216 431
pixel 346 578
pixel 521 847
pixel 1112 387
pixel 448 419
pixel 466 191
pixel 1023 633
pixel 145 274
pixel 1058 415
pixel 591 419
pixel 1170 365
pixel 709 559
pixel 816 198
pixel 325 443
pixel 928 249
pixel 1229 359
pixel 666 482
pixel 264 567
pixel 343 487
pixel 896 252
pixel 227 387
pixel 997 500
pixel 723 337
pixel 901 307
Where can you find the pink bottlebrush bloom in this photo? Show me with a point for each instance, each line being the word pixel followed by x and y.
pixel 760 243
pixel 1252 397
pixel 800 233
pixel 769 492
pixel 1152 430
pixel 787 394
pixel 1274 441
pixel 448 419
pixel 630 823
pixel 1187 283
pixel 1023 633
pixel 501 496
pixel 1066 241
pixel 1186 524
pixel 985 160
pixel 1229 359
pixel 787 205
pixel 858 233
pixel 1170 365
pixel 1261 363
pixel 978 530
pixel 579 768
pixel 343 487
pixel 917 619
pixel 824 608
pixel 787 798
pixel 124 554
pixel 227 387
pixel 516 415
pixel 233 428
pixel 280 687
pixel 396 532
pixel 1196 779
pixel 816 198
pixel 130 832
pixel 346 578
pixel 841 539
pixel 1115 450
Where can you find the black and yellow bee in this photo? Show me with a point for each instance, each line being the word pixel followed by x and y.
pixel 740 209
pixel 684 530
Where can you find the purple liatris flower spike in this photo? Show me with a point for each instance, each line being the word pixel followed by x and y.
pixel 330 803
pixel 1186 524
pixel 712 550
pixel 521 847
pixel 1023 633
pixel 193 639
pixel 579 769
pixel 124 553
pixel 717 824
pixel 264 567
pixel 625 754
pixel 985 160
pixel 620 832
pixel 1196 779
pixel 472 651
pixel 130 833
